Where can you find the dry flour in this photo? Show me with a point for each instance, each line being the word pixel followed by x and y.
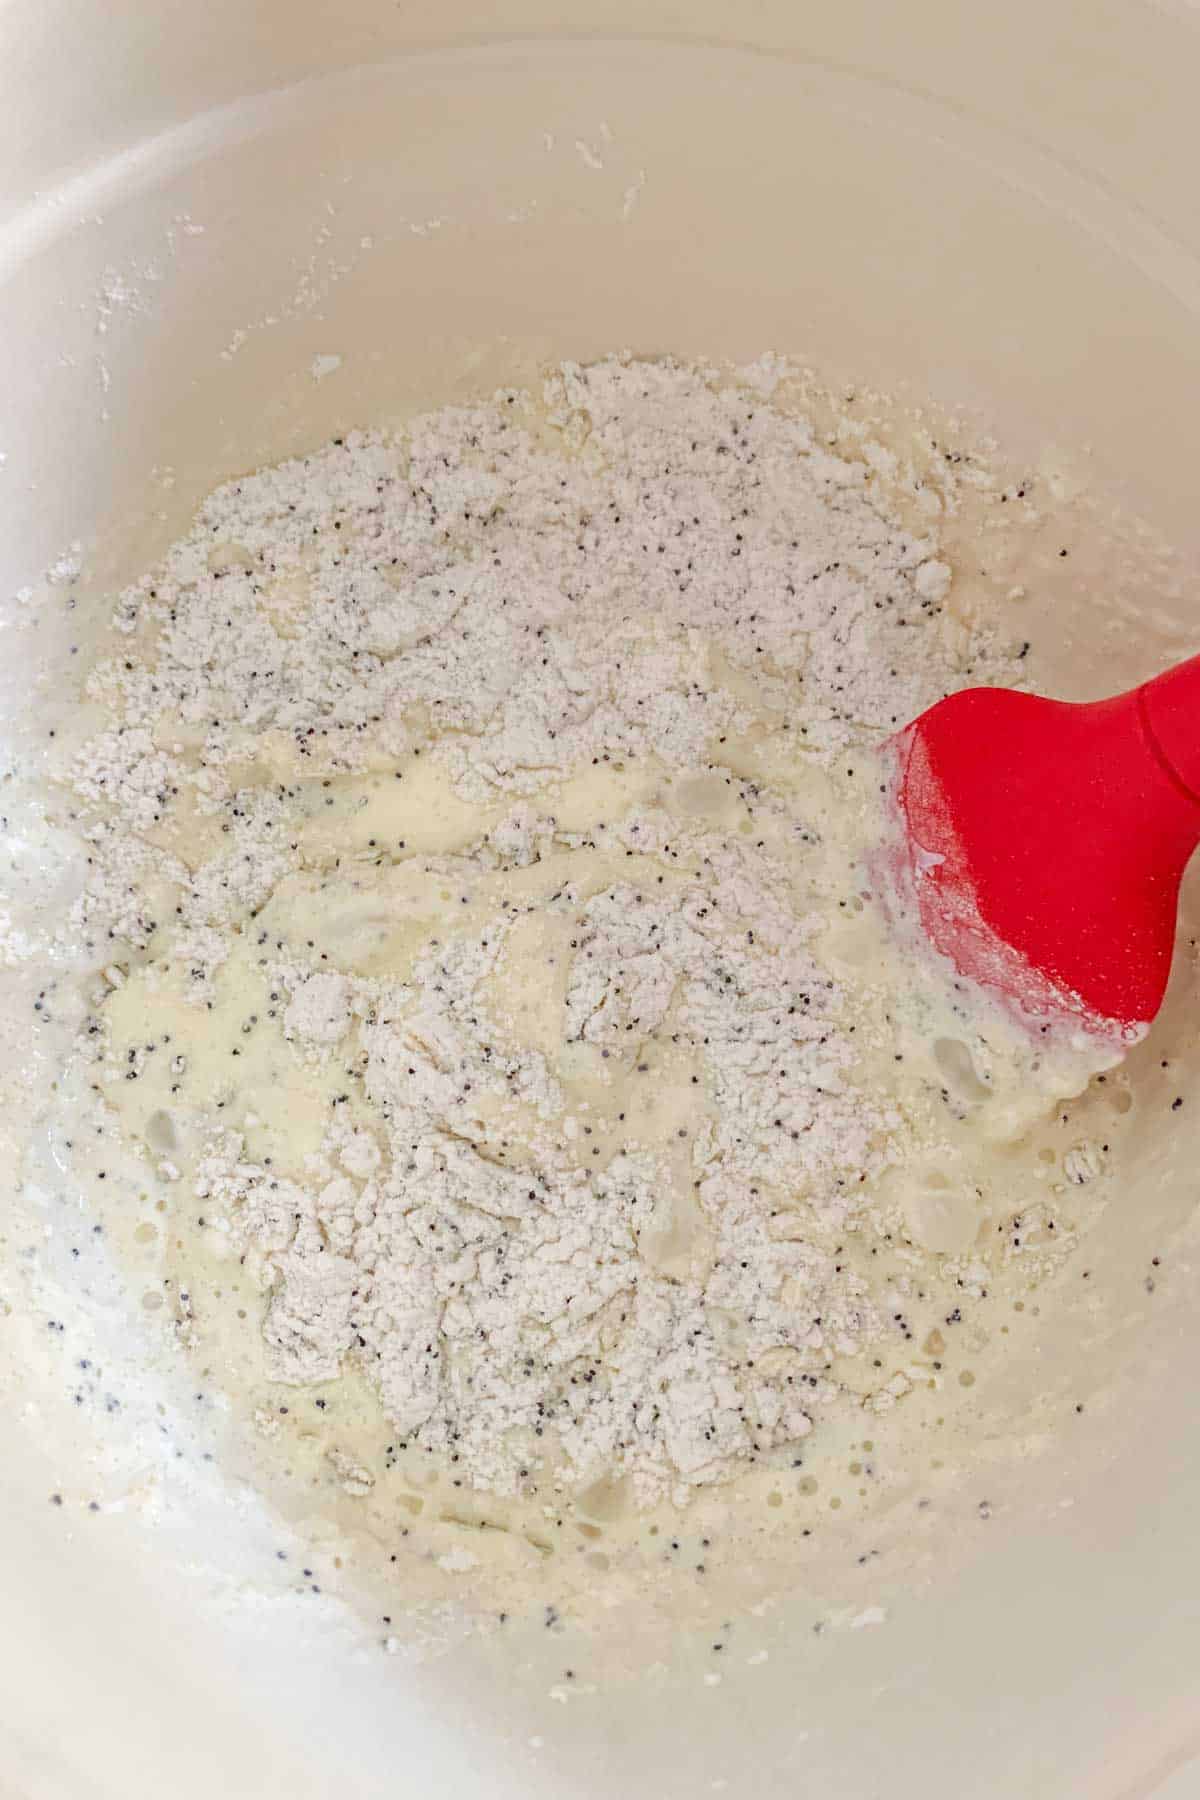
pixel 478 828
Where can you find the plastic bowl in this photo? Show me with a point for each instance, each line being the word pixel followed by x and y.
pixel 228 232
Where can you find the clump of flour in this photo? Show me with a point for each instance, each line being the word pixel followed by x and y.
pixel 640 573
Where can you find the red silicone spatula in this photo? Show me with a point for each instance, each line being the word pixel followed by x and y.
pixel 1045 841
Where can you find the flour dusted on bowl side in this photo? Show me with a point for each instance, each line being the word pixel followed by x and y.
pixel 482 822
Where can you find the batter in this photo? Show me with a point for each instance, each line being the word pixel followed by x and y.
pixel 484 819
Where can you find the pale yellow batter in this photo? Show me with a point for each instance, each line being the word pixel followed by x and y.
pixel 544 1129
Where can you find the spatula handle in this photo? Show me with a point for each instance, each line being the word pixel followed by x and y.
pixel 1170 707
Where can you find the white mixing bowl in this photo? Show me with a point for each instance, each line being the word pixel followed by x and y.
pixel 229 231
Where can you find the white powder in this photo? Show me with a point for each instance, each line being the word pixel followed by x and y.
pixel 319 1011
pixel 638 1242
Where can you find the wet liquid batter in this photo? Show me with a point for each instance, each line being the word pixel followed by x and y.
pixel 543 1146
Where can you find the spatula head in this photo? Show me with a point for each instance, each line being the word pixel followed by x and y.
pixel 1044 844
